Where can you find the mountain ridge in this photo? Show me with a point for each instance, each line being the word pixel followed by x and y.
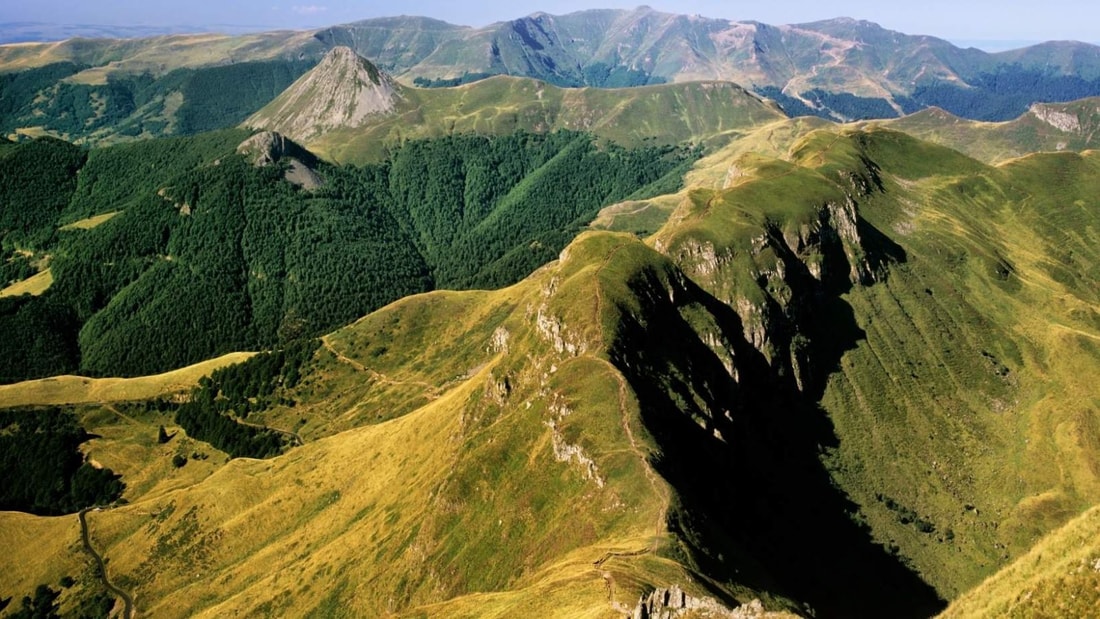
pixel 842 69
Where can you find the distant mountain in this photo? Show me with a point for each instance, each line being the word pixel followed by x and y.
pixel 840 69
pixel 38 32
pixel 349 111
pixel 344 90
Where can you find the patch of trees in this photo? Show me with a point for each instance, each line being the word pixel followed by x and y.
pixel 37 181
pixel 1003 94
pixel 18 90
pixel 41 468
pixel 212 412
pixel 43 605
pixel 39 338
pixel 830 105
pixel 603 75
pixel 450 82
pixel 220 97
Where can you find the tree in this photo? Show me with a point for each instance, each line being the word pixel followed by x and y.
pixel 162 436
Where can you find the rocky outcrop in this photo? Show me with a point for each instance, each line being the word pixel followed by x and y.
pixel 674 603
pixel 343 91
pixel 268 148
pixel 1057 118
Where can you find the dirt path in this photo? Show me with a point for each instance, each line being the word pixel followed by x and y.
pixel 654 479
pixel 295 438
pixel 101 564
pixel 432 390
pixel 655 482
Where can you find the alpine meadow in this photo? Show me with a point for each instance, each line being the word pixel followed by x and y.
pixel 616 313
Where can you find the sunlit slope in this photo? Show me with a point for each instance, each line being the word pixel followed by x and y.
pixel 524 474
pixel 698 112
pixel 1047 127
pixel 942 313
pixel 59 390
pixel 1059 577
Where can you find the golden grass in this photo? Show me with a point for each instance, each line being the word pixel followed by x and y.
pixel 82 390
pixel 1058 577
pixel 90 222
pixel 33 285
pixel 37 550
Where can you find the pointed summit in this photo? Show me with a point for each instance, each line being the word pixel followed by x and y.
pixel 343 90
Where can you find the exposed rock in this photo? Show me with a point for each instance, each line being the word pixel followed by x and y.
pixel 1060 120
pixel 674 603
pixel 343 90
pixel 269 147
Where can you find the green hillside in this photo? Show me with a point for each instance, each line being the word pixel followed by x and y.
pixel 852 381
pixel 1045 127
pixel 711 113
pixel 209 254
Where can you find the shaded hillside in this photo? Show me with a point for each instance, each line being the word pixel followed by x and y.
pixel 209 253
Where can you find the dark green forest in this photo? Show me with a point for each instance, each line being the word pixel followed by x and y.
pixel 993 96
pixel 1004 94
pixel 41 468
pixel 209 254
pixel 135 105
pixel 216 406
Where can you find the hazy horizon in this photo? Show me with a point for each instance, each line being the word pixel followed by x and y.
pixel 992 26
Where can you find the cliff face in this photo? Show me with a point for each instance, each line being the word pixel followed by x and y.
pixel 344 90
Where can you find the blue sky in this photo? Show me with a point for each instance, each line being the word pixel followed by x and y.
pixel 957 20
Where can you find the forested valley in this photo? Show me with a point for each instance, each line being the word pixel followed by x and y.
pixel 207 253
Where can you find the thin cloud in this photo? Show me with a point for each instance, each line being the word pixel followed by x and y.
pixel 311 9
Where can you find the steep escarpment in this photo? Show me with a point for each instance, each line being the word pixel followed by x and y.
pixel 729 353
pixel 863 361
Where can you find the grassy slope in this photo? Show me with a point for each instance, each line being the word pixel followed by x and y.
pixel 61 390
pixel 458 498
pixel 34 285
pixel 1074 128
pixel 1059 576
pixel 704 112
pixel 964 428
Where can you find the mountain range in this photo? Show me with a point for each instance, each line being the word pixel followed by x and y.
pixel 841 69
pixel 407 319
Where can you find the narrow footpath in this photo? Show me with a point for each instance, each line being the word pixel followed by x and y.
pixel 127 601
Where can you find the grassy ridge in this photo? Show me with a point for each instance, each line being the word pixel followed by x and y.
pixel 1046 127
pixel 703 112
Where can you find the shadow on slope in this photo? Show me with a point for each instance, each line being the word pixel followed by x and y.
pixel 740 437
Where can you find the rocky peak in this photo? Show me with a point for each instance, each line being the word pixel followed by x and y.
pixel 268 148
pixel 343 91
